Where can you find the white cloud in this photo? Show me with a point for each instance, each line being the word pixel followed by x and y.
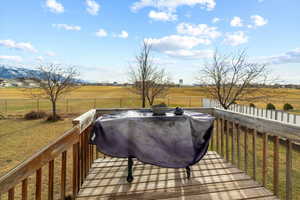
pixel 67 27
pixel 236 38
pixel 92 7
pixel 50 53
pixel 25 46
pixel 101 33
pixel 190 54
pixel 258 20
pixel 292 56
pixel 162 16
pixel 54 6
pixel 175 42
pixel 11 58
pixel 123 35
pixel 40 58
pixel 202 30
pixel 236 22
pixel 215 20
pixel 172 5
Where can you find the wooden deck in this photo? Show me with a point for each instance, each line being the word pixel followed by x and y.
pixel 211 178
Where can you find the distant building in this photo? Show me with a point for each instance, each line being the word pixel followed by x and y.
pixel 180 81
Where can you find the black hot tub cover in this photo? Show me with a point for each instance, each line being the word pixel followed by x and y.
pixel 167 141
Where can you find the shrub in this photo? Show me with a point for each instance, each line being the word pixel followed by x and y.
pixel 35 115
pixel 50 118
pixel 287 107
pixel 252 105
pixel 270 106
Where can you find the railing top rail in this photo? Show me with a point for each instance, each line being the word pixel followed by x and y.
pixel 289 131
pixel 38 160
pixel 84 120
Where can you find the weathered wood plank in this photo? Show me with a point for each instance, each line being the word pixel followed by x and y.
pixel 246 150
pixel 63 177
pixel 11 194
pixel 208 180
pixel 254 153
pixel 38 184
pixel 24 192
pixel 264 160
pixel 50 180
pixel 289 149
pixel 276 166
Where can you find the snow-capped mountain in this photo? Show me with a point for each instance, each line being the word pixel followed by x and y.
pixel 12 72
pixel 9 72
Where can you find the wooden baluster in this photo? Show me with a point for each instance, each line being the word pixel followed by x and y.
pixel 265 158
pixel 75 169
pixel 11 194
pixel 38 184
pixel 217 136
pixel 25 189
pixel 87 155
pixel 238 134
pixel 227 140
pixel 246 150
pixel 222 137
pixel 63 175
pixel 289 150
pixel 233 130
pixel 276 166
pixel 81 158
pixel 50 180
pixel 254 153
pixel 212 137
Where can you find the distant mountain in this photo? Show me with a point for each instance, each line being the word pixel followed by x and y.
pixel 10 72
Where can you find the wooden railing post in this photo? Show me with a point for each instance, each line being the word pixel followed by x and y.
pixel 63 175
pixel 265 158
pixel 50 180
pixel 276 166
pixel 222 137
pixel 254 153
pixel 75 169
pixel 289 149
pixel 227 140
pixel 238 144
pixel 233 130
pixel 246 150
pixel 218 135
pixel 11 194
pixel 38 184
pixel 25 189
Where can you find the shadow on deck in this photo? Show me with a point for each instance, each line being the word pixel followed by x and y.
pixel 211 178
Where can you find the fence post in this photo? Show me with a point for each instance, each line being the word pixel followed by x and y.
pixel 67 105
pixel 190 103
pixel 38 105
pixel 120 102
pixel 5 106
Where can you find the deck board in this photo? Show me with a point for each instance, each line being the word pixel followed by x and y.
pixel 211 178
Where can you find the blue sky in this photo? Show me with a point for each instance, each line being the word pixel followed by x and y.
pixel 102 37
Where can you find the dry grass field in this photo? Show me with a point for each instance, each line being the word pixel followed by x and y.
pixel 19 138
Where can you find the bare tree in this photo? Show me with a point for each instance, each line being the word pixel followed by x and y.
pixel 232 78
pixel 54 81
pixel 148 81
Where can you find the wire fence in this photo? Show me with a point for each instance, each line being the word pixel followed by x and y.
pixel 74 106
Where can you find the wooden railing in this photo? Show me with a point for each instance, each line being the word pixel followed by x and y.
pixel 74 152
pixel 236 138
